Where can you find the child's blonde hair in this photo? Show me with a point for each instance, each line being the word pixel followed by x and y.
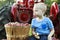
pixel 40 6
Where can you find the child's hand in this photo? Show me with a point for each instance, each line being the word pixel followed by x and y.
pixel 51 34
pixel 36 35
pixel 49 38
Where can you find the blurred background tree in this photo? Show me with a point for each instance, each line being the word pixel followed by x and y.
pixel 4 2
pixel 49 2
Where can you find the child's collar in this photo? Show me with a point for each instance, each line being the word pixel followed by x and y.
pixel 38 19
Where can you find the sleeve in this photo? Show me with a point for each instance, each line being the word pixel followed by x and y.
pixel 50 24
pixel 32 23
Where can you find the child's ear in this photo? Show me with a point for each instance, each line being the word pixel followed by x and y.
pixel 46 6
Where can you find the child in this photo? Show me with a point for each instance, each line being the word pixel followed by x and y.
pixel 42 26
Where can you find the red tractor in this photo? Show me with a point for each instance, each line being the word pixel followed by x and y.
pixel 23 11
pixel 54 15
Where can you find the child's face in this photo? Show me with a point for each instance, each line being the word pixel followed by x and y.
pixel 38 12
pixel 39 9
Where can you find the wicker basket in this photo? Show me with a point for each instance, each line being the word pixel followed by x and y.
pixel 14 32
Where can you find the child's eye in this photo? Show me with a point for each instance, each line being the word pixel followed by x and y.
pixel 36 10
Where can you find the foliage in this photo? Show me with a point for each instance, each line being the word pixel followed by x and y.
pixel 3 3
